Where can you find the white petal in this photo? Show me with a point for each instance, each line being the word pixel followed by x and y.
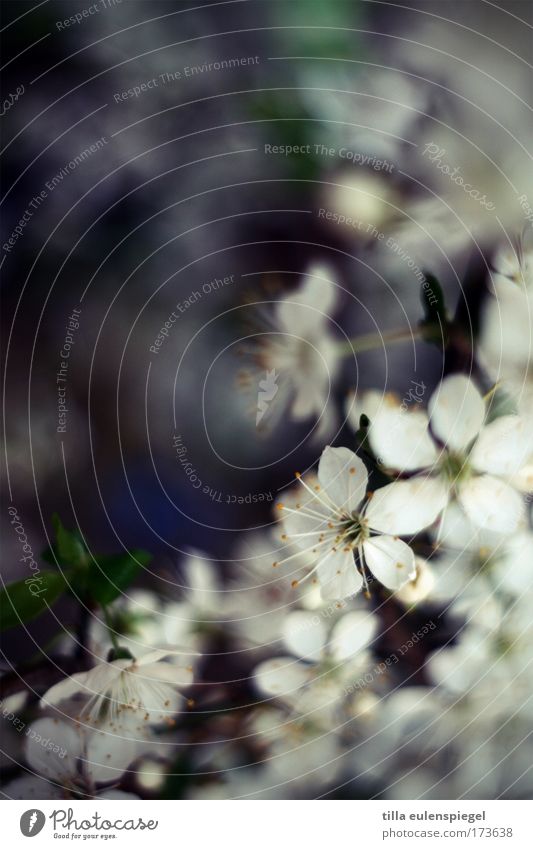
pixel 343 476
pixel 503 446
pixel 457 411
pixel 352 633
pixel 455 531
pixel 523 481
pixel 43 737
pixel 369 403
pixel 108 756
pixel 406 507
pixel 506 262
pixel 168 673
pixel 309 305
pixel 201 586
pixel 338 575
pixel 491 503
pixel 401 439
pixel 319 288
pixel 390 560
pixel 460 667
pixel 65 689
pixel 281 676
pixel 158 654
pixel 515 567
pixel 304 634
pixel 420 587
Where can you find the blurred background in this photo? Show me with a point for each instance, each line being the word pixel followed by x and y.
pixel 170 171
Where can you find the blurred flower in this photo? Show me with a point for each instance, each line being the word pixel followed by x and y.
pixel 298 351
pixel 329 660
pixel 506 339
pixel 477 562
pixel 144 686
pixel 420 587
pixel 70 760
pixel 359 202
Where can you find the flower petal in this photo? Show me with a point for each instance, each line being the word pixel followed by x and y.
pixel 343 477
pixel 456 532
pixel 338 575
pixel 65 689
pixel 352 633
pixel 304 634
pixel 52 749
pixel 201 587
pixel 401 439
pixel 390 560
pixel 108 756
pixel 406 507
pixel 166 673
pixel 369 403
pixel 309 305
pixel 457 411
pixel 503 446
pixel 280 676
pixel 493 504
pixel 515 568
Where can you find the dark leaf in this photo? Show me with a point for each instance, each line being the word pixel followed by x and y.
pixel 70 548
pixel 24 600
pixel 109 576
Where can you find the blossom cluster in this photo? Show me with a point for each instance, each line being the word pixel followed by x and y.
pixel 419 516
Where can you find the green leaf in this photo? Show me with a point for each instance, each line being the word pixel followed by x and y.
pixel 434 325
pixel 25 600
pixel 119 653
pixel 70 548
pixel 109 576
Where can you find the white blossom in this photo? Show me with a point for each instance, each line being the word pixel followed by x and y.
pixel 332 525
pixel 146 688
pixel 298 350
pixel 480 464
pixel 69 760
pixel 326 663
